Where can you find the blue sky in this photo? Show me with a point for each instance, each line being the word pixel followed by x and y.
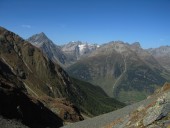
pixel 94 21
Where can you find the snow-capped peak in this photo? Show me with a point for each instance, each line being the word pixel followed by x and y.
pixel 81 47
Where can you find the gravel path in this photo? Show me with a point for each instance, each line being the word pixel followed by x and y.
pixel 105 119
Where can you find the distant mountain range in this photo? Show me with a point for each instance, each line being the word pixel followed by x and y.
pixel 162 55
pixel 75 51
pixel 64 55
pixel 124 71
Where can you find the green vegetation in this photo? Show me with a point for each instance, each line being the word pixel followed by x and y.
pixel 95 100
pixel 105 70
pixel 129 97
pixel 106 84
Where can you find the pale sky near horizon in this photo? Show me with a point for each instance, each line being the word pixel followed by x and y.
pixel 93 21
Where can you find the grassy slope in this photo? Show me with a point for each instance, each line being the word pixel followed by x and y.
pixel 95 99
pixel 138 81
pixel 98 70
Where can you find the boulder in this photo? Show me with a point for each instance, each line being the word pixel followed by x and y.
pixel 158 111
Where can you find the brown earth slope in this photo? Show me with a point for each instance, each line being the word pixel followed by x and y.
pixel 49 83
pixel 39 75
pixel 15 103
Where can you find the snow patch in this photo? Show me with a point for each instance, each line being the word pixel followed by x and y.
pixel 81 47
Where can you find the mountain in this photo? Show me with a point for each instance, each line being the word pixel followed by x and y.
pixel 39 75
pixel 76 50
pixel 64 55
pixel 48 47
pixel 47 82
pixel 153 112
pixel 80 60
pixel 38 72
pixel 15 103
pixel 162 55
pixel 126 72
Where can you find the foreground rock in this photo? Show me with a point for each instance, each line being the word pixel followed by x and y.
pixel 154 115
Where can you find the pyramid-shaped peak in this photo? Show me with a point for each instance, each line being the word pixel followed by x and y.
pixel 42 34
pixel 39 38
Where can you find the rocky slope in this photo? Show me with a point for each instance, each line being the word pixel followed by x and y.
pixel 39 74
pixel 154 112
pixel 48 47
pixel 15 103
pixel 122 70
pixel 162 55
pixel 64 55
pixel 77 50
pixel 48 82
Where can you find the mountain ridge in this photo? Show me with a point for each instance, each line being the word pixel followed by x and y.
pixel 162 55
pixel 112 61
pixel 66 54
pixel 75 50
pixel 49 83
pixel 48 47
pixel 105 66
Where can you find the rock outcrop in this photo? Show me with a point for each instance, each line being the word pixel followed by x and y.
pixel 155 114
pixel 48 47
